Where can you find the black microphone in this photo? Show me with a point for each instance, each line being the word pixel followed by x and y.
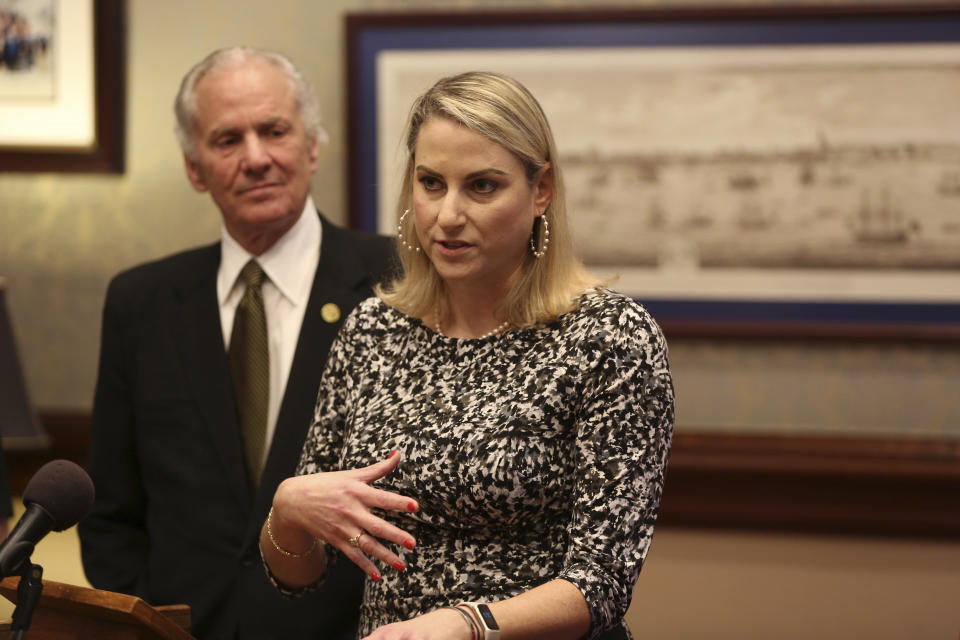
pixel 57 496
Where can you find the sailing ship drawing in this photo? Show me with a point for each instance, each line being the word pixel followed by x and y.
pixel 880 219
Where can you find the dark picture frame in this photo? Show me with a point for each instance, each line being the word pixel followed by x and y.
pixel 877 486
pixel 370 34
pixel 106 154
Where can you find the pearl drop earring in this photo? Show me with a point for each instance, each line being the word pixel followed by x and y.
pixel 546 239
pixel 403 242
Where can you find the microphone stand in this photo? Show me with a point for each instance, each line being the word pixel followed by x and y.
pixel 28 595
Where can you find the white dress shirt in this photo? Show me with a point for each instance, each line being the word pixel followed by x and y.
pixel 290 266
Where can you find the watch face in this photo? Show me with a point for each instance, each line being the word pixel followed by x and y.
pixel 487 617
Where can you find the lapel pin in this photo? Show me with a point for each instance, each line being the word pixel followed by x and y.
pixel 330 312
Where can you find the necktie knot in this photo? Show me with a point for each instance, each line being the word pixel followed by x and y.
pixel 252 274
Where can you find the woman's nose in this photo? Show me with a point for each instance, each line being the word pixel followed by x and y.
pixel 450 213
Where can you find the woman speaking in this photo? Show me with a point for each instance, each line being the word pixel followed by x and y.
pixel 492 429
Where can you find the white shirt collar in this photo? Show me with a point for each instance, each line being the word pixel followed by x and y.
pixel 286 263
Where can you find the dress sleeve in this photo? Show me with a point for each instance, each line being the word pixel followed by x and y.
pixel 624 433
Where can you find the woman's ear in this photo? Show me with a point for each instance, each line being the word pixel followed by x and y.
pixel 543 189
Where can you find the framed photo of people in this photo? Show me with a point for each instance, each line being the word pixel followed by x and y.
pixel 61 85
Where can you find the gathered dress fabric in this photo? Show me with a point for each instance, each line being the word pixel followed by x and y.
pixel 535 454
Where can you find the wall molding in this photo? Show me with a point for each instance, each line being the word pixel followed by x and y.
pixel 862 486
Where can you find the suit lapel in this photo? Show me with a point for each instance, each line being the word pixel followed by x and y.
pixel 341 279
pixel 206 369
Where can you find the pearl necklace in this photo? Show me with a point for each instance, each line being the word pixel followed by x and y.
pixel 489 334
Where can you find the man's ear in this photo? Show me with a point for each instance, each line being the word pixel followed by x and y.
pixel 314 153
pixel 194 174
pixel 543 190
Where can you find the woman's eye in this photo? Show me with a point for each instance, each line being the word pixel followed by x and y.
pixel 485 186
pixel 430 183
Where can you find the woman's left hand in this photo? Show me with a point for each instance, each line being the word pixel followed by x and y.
pixel 442 624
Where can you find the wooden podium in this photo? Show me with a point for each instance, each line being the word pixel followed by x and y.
pixel 69 612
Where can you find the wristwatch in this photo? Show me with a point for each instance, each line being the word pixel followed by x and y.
pixel 491 631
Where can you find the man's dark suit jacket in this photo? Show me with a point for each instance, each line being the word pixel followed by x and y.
pixel 174 519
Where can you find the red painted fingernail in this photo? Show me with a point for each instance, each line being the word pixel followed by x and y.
pixel 392 453
pixel 375 576
pixel 408 544
pixel 399 566
pixel 411 506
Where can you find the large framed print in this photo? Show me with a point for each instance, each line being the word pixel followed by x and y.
pixel 62 85
pixel 747 172
pixel 742 171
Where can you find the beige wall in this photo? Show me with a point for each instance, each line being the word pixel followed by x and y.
pixel 63 236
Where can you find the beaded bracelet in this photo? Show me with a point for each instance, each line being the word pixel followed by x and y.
pixel 289 554
pixel 474 629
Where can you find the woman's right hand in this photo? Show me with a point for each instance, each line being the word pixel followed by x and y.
pixel 336 506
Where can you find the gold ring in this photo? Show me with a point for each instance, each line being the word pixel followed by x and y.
pixel 355 540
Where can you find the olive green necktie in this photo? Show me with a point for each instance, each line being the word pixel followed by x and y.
pixel 250 369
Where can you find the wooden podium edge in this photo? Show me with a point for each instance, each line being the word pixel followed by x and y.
pixel 172 621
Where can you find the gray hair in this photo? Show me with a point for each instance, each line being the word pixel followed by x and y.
pixel 185 105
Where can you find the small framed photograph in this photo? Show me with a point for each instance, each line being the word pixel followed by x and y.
pixel 61 85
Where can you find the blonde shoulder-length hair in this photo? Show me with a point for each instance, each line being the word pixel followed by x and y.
pixel 504 111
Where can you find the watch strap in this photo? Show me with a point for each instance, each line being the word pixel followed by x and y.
pixel 488 624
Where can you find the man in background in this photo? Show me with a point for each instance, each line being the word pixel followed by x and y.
pixel 210 363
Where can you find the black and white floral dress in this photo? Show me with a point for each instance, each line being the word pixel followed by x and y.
pixel 535 454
